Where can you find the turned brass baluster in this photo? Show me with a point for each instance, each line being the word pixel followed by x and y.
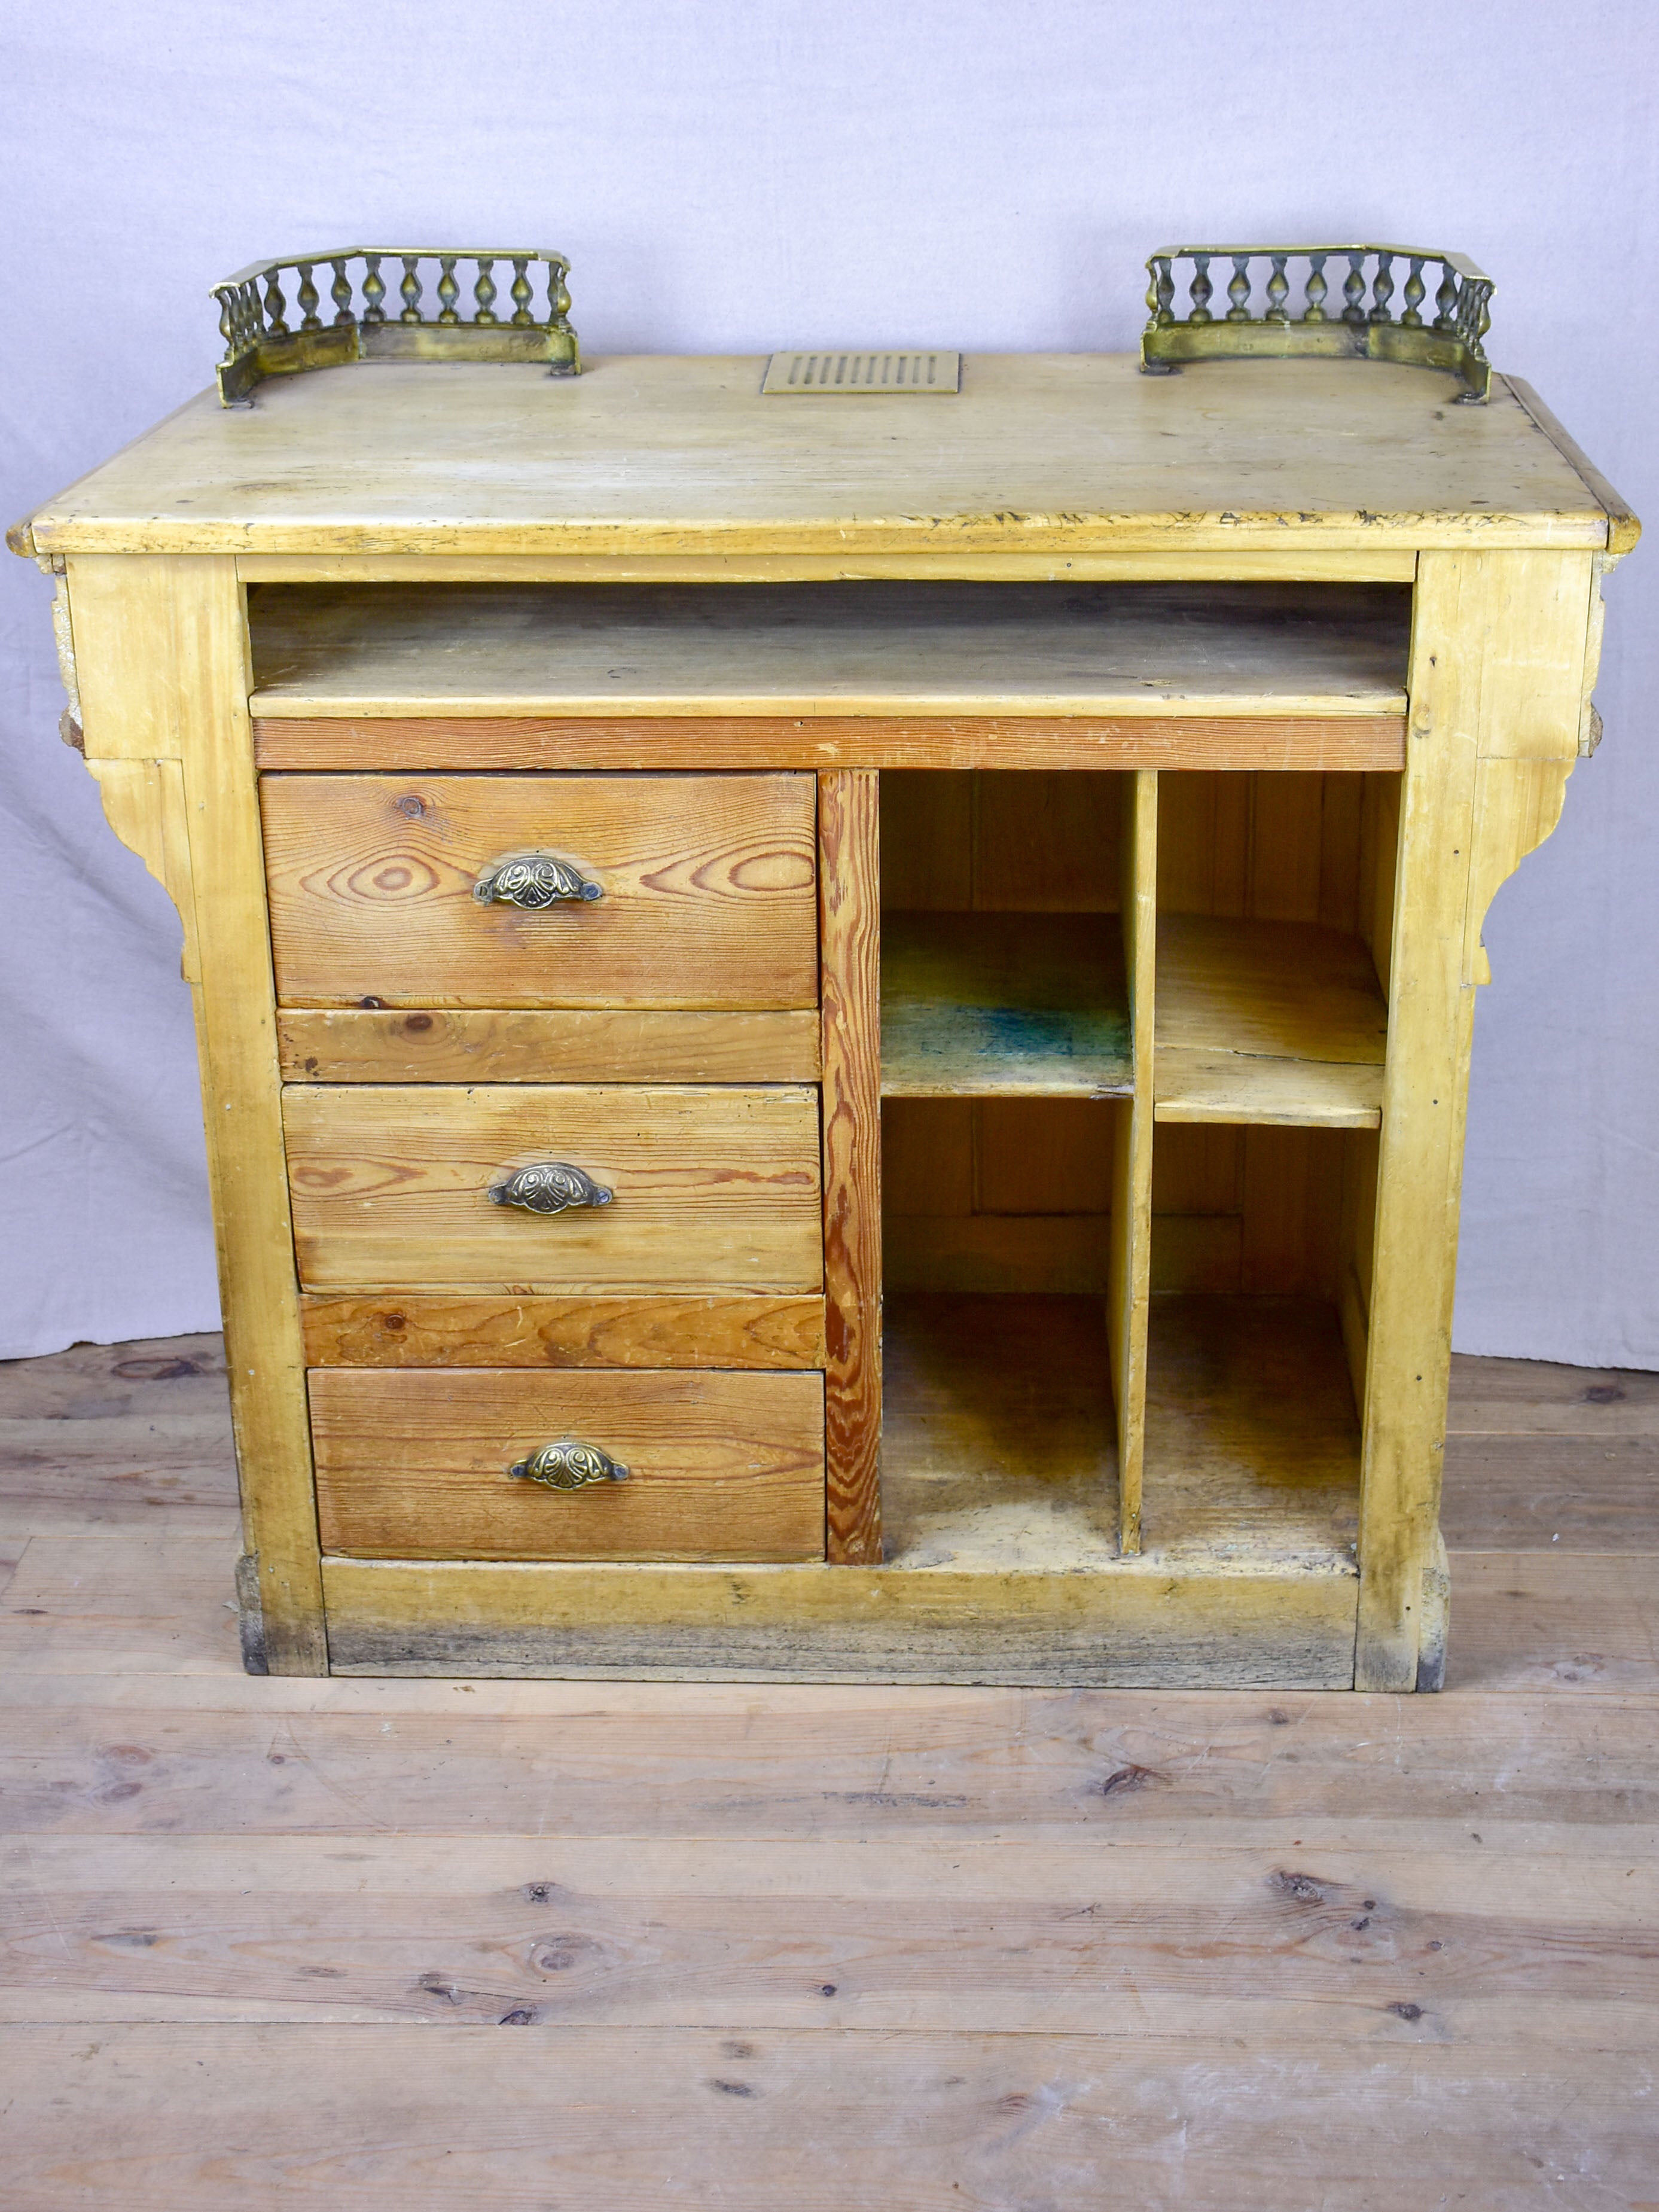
pixel 1412 319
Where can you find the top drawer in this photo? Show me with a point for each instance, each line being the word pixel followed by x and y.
pixel 706 889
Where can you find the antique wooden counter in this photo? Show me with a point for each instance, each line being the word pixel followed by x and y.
pixel 1085 787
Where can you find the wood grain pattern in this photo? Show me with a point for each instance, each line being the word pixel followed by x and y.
pixel 1567 1775
pixel 166 678
pixel 415 1465
pixel 517 1045
pixel 849 894
pixel 819 741
pixel 885 649
pixel 413 1329
pixel 1070 1937
pixel 1044 452
pixel 908 2119
pixel 707 887
pixel 1005 1004
pixel 714 1189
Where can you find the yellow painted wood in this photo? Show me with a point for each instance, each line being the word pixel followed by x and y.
pixel 868 649
pixel 1044 452
pixel 168 681
pixel 714 1189
pixel 1267 1021
pixel 144 804
pixel 1518 803
pixel 1478 617
pixel 1141 1623
pixel 1128 1282
pixel 1304 563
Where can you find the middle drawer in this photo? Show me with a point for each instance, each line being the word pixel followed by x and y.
pixel 408 1185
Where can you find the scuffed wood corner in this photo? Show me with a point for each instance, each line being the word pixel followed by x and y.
pixel 250 1615
pixel 1434 1619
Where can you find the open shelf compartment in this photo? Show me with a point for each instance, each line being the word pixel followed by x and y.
pixel 1106 1341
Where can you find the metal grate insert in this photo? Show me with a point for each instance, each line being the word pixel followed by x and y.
pixel 837 372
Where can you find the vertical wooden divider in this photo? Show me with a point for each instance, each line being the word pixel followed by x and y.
pixel 1130 1258
pixel 850 910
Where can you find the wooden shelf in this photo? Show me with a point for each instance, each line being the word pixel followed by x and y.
pixel 1148 650
pixel 1004 1005
pixel 998 1445
pixel 1252 1439
pixel 1266 1021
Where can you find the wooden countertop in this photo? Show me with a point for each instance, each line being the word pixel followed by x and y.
pixel 654 454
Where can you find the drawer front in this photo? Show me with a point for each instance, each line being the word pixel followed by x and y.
pixel 414 1466
pixel 713 1190
pixel 704 890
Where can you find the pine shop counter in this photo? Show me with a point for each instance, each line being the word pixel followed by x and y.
pixel 835 1015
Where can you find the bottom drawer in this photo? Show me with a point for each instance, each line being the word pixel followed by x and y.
pixel 413 1464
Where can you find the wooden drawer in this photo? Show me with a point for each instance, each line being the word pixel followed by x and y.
pixel 707 883
pixel 414 1466
pixel 713 1189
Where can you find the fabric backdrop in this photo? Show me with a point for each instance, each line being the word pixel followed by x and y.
pixel 986 173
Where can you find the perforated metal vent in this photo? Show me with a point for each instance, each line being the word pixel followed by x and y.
pixel 862 375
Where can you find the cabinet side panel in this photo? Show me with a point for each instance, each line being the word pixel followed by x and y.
pixel 163 639
pixel 1476 615
pixel 849 893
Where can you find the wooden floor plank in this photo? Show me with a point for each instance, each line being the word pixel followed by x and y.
pixel 1555 1620
pixel 117 1434
pixel 1527 1493
pixel 1531 1397
pixel 1533 1773
pixel 412 2119
pixel 1049 1938
pixel 103 1604
pixel 839 1947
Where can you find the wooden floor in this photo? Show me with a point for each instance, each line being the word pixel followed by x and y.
pixel 820 1948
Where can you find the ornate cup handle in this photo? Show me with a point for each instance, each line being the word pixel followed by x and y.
pixel 569 1465
pixel 532 880
pixel 550 1186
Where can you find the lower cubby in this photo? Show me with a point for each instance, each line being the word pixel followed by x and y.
pixel 1252 1449
pixel 998 1448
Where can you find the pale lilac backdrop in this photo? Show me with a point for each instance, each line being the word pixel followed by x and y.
pixel 977 172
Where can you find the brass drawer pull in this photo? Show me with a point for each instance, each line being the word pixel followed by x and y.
pixel 532 880
pixel 550 1186
pixel 569 1465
